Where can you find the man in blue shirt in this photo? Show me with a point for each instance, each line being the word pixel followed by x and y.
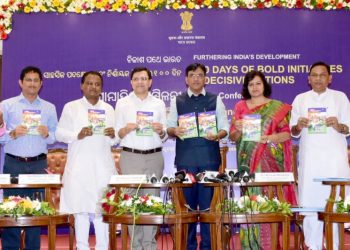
pixel 200 153
pixel 30 126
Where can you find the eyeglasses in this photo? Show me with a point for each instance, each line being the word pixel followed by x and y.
pixel 136 79
pixel 322 76
pixel 35 80
pixel 193 76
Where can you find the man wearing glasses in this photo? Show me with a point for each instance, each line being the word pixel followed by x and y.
pixel 197 153
pixel 141 126
pixel 321 119
pixel 30 123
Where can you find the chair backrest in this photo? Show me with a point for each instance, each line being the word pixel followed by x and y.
pixel 116 156
pixel 56 160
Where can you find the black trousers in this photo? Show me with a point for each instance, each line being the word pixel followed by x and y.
pixel 11 236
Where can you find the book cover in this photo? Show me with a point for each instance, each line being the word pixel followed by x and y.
pixel 317 121
pixel 144 122
pixel 31 118
pixel 97 120
pixel 251 127
pixel 188 121
pixel 207 123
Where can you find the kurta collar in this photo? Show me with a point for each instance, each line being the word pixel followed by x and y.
pixel 88 104
pixel 320 95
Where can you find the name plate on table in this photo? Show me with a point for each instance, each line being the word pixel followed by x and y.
pixel 39 179
pixel 274 177
pixel 335 179
pixel 5 179
pixel 128 179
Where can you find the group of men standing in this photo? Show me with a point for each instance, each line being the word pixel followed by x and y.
pixel 90 163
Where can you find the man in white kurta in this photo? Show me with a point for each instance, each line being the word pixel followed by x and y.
pixel 86 125
pixel 141 149
pixel 321 154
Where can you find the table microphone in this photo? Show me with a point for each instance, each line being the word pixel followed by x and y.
pixel 165 179
pixel 180 176
pixel 224 177
pixel 153 179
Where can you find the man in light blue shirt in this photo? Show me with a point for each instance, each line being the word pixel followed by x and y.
pixel 30 126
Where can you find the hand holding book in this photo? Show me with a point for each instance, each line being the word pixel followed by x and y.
pixel 43 131
pixel 212 137
pixel 19 131
pixel 84 132
pixel 332 122
pixel 239 125
pixel 109 132
pixel 180 131
pixel 157 127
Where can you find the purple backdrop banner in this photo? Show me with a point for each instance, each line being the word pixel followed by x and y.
pixel 282 43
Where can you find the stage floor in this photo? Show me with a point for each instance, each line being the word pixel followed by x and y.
pixel 164 242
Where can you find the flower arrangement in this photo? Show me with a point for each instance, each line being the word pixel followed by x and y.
pixel 16 206
pixel 342 206
pixel 255 204
pixel 8 7
pixel 108 200
pixel 137 205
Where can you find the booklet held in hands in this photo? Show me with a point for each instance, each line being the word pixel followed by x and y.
pixel 144 122
pixel 251 127
pixel 188 121
pixel 207 123
pixel 317 120
pixel 97 120
pixel 31 118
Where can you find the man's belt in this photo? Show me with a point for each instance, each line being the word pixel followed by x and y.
pixel 144 152
pixel 28 159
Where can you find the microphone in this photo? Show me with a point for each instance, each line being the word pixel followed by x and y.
pixel 230 173
pixel 243 176
pixel 14 179
pixel 190 178
pixel 237 177
pixel 180 176
pixel 199 177
pixel 165 179
pixel 213 179
pixel 224 177
pixel 153 179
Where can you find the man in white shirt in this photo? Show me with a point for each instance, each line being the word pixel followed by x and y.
pixel 87 126
pixel 142 148
pixel 321 119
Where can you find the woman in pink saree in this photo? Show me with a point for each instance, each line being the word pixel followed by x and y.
pixel 272 152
